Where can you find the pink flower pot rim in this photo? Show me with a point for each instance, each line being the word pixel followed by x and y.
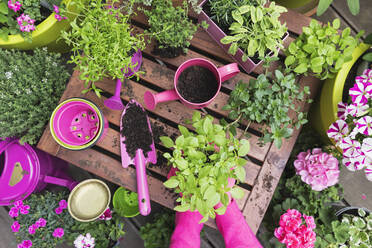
pixel 92 106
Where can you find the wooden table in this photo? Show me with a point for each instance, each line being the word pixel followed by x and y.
pixel 266 163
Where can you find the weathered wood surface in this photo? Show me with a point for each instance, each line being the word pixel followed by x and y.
pixel 267 162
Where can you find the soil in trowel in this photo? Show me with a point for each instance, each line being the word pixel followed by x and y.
pixel 197 84
pixel 136 131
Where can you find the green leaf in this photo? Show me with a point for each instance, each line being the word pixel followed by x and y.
pixel 323 6
pixel 368 39
pixel 227 39
pixel 181 163
pixel 166 141
pixel 233 48
pixel 240 173
pixel 207 126
pixel 4 8
pixel 244 148
pixel 237 193
pixel 336 23
pixel 171 183
pixel 182 208
pixel 221 210
pixel 180 141
pixel 301 68
pixel 353 6
pixel 184 131
pixel 289 60
pixel 367 57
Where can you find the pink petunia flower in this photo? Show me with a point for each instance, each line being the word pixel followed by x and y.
pixel 58 210
pixel 341 112
pixel 365 77
pixel 357 162
pixel 364 125
pixel 25 23
pixel 15 6
pixel 338 130
pixel 15 226
pixel 13 212
pixel 361 92
pixel 41 222
pixel 107 215
pixel 356 110
pixel 27 243
pixel 62 204
pixel 368 171
pixel 350 147
pixel 58 232
pixel 24 209
pixel 367 148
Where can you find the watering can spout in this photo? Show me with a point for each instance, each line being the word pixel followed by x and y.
pixel 151 99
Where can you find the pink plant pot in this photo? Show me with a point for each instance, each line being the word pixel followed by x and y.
pixel 217 34
pixel 26 169
pixel 222 74
pixel 77 124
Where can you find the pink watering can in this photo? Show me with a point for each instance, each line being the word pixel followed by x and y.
pixel 135 126
pixel 221 74
pixel 115 102
pixel 26 169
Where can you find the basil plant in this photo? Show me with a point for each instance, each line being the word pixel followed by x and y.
pixel 204 160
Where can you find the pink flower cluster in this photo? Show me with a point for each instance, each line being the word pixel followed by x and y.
pixel 352 132
pixel 58 232
pixel 40 223
pixel 18 208
pixel 25 244
pixel 26 24
pixel 293 232
pixel 62 205
pixel 15 6
pixel 107 215
pixel 318 169
pixel 57 15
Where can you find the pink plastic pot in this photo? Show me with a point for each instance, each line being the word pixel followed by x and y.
pixel 217 34
pixel 77 124
pixel 25 169
pixel 222 74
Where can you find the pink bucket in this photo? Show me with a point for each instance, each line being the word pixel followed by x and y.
pixel 25 169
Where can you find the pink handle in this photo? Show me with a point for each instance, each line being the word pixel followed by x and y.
pixel 142 187
pixel 61 182
pixel 228 71
pixel 151 100
pixel 118 87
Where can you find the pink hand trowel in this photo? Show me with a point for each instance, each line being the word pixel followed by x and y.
pixel 137 147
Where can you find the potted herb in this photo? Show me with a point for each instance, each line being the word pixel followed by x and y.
pixel 268 99
pixel 31 24
pixel 248 31
pixel 42 220
pixel 30 88
pixel 171 28
pixel 205 160
pixel 103 41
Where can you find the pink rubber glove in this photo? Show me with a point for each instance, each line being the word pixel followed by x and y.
pixel 235 230
pixel 187 231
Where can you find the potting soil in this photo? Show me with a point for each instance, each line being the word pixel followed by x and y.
pixel 167 52
pixel 136 131
pixel 197 84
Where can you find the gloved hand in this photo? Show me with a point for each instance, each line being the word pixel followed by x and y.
pixel 187 231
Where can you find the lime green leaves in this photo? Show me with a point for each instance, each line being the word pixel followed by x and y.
pixel 323 5
pixel 256 29
pixel 205 159
pixel 321 50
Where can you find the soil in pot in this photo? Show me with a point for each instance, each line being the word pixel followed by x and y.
pixel 136 131
pixel 167 52
pixel 356 70
pixel 197 84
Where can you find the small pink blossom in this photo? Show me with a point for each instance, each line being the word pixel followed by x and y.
pixel 58 210
pixel 15 6
pixel 27 243
pixel 59 17
pixel 13 212
pixel 58 232
pixel 107 215
pixel 365 77
pixel 356 110
pixel 18 204
pixel 24 209
pixel 354 163
pixel 15 226
pixel 350 147
pixel 84 241
pixel 56 8
pixel 338 130
pixel 341 112
pixel 309 221
pixel 32 229
pixel 41 222
pixel 20 246
pixel 62 204
pixel 367 148
pixel 364 125
pixel 26 24
pixel 360 92
pixel 317 169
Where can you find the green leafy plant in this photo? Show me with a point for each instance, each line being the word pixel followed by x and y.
pixel 268 100
pixel 30 88
pixel 158 232
pixel 368 56
pixel 194 4
pixel 204 161
pixel 103 41
pixel 320 50
pixel 170 26
pixel 256 30
pixel 43 206
pixel 104 232
pixel 324 5
pixel 125 202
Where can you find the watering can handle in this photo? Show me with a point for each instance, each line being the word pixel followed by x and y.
pixel 142 186
pixel 61 182
pixel 6 143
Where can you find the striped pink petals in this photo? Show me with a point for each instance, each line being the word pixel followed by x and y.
pixel 368 171
pixel 361 92
pixel 356 109
pixel 350 148
pixel 364 125
pixel 341 112
pixel 365 77
pixel 367 148
pixel 338 130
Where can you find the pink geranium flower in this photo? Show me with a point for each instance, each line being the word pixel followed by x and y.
pixel 338 130
pixel 15 226
pixel 15 6
pixel 360 92
pixel 26 24
pixel 107 215
pixel 341 112
pixel 27 243
pixel 317 169
pixel 13 212
pixel 58 232
pixel 364 125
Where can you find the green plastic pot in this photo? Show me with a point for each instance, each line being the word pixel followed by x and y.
pixel 125 205
pixel 306 7
pixel 324 110
pixel 45 34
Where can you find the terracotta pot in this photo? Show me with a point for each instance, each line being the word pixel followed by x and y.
pixel 305 7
